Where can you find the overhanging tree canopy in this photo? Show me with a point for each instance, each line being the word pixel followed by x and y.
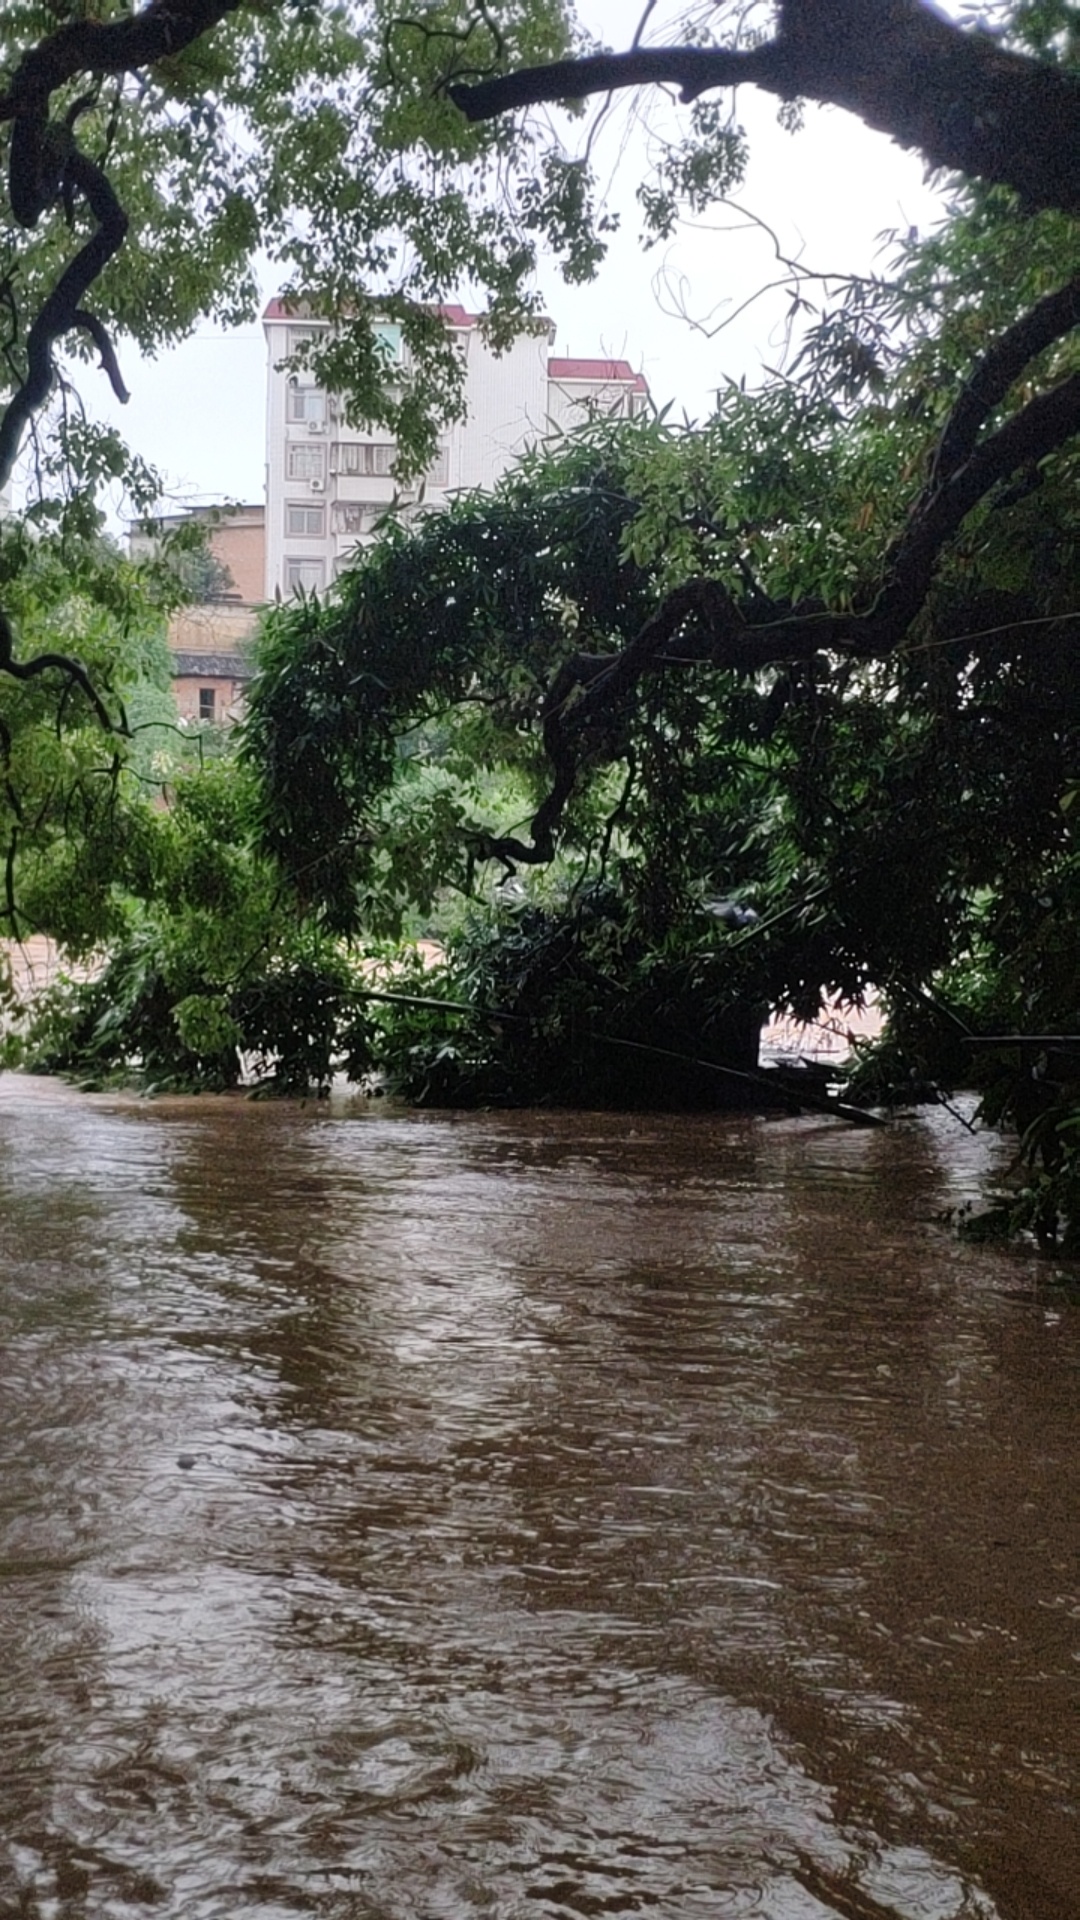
pixel 193 133
pixel 178 141
pixel 891 818
pixel 966 100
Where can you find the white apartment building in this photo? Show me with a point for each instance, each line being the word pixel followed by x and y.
pixel 327 484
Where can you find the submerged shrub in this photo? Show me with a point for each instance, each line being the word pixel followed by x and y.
pixel 570 1006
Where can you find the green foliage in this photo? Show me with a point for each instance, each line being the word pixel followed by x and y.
pixel 465 615
pixel 905 822
pixel 863 807
pixel 211 976
pixel 692 175
pixel 75 797
pixel 155 1018
pixel 559 203
pixel 319 139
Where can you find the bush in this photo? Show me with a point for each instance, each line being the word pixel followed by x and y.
pixel 153 1019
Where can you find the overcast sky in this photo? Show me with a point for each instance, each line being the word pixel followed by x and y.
pixel 828 193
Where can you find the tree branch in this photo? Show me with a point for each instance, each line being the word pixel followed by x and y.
pixel 74 672
pixel 90 324
pixel 1027 437
pixel 10 904
pixel 699 622
pixel 45 162
pixel 694 70
pixel 987 386
pixel 962 100
pixel 162 29
pixel 63 309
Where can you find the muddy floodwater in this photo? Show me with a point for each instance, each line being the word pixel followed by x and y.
pixel 420 1518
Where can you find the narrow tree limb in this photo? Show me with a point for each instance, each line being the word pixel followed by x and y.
pixel 162 29
pixel 63 310
pixel 1049 320
pixel 10 902
pixel 74 672
pixel 1027 437
pixel 45 163
pixel 90 324
pixel 547 819
pixel 694 70
pixel 698 599
pixel 955 95
pixel 5 754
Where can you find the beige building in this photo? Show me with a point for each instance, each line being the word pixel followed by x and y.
pixel 209 639
pixel 328 484
pixel 209 646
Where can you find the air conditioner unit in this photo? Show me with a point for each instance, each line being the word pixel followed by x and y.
pixel 318 486
pixel 315 426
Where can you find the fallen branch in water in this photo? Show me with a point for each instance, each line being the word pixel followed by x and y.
pixel 795 1102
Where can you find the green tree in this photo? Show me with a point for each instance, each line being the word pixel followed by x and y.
pixel 85 743
pixel 154 156
pixel 149 159
pixel 806 548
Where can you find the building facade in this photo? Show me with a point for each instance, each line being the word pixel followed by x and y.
pixel 208 640
pixel 328 484
pixel 211 668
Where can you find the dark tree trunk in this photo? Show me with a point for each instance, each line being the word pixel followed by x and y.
pixel 956 96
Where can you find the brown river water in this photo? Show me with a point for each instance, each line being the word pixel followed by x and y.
pixel 419 1518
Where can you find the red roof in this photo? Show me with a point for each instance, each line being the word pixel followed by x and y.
pixel 457 316
pixel 593 370
pixel 277 309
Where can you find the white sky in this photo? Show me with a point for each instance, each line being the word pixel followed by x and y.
pixel 197 413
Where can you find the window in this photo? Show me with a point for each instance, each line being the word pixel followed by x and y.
pixel 388 342
pixel 303 521
pixel 358 516
pixel 304 462
pixel 206 704
pixel 438 473
pixel 299 338
pixel 362 457
pixel 303 576
pixel 305 403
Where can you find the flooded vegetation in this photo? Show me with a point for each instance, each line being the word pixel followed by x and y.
pixel 527 1515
